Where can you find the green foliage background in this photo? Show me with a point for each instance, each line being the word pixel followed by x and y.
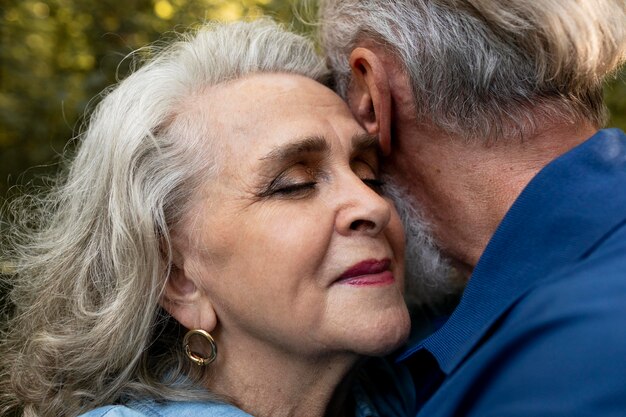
pixel 55 55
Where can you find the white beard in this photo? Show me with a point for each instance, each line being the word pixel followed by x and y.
pixel 430 280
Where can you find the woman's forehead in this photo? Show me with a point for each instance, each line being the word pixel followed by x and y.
pixel 267 110
pixel 268 96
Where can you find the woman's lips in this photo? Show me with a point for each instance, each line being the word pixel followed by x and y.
pixel 368 272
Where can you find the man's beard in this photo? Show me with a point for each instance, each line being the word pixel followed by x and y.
pixel 430 280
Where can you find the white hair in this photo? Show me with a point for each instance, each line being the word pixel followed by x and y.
pixel 431 282
pixel 90 259
pixel 488 69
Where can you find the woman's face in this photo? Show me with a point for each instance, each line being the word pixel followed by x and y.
pixel 292 247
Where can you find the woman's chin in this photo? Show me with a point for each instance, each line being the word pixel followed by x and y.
pixel 384 336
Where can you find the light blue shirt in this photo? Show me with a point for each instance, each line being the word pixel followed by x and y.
pixel 168 409
pixel 193 409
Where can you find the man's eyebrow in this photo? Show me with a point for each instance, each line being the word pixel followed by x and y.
pixel 362 142
pixel 309 144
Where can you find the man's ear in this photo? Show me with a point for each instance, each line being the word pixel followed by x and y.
pixel 184 300
pixel 369 95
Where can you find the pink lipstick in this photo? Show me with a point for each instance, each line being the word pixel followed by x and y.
pixel 368 272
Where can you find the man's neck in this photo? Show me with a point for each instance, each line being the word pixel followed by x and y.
pixel 467 188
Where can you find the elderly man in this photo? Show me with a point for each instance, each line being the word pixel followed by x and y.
pixel 490 114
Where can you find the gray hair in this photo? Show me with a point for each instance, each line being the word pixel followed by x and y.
pixel 488 69
pixel 431 282
pixel 91 257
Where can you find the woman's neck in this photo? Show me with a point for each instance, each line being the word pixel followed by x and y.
pixel 274 384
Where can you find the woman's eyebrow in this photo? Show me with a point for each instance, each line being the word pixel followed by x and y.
pixel 363 142
pixel 292 150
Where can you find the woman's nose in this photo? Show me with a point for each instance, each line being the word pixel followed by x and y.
pixel 361 209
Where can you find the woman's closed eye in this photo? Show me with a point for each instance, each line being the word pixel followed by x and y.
pixel 303 188
pixel 301 180
pixel 375 184
pixel 367 171
pixel 296 182
pixel 295 189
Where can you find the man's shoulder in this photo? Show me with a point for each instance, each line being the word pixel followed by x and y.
pixel 598 276
pixel 558 350
pixel 561 346
pixel 587 296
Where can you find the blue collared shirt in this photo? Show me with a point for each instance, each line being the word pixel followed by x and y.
pixel 541 327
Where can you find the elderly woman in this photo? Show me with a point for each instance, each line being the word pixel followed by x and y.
pixel 218 246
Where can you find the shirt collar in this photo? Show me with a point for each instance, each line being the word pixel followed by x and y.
pixel 363 404
pixel 559 217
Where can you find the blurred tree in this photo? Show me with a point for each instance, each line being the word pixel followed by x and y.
pixel 55 55
pixel 615 93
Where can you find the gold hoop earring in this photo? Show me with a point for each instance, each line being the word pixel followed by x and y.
pixel 199 360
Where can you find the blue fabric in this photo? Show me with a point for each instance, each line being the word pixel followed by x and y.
pixel 383 389
pixel 541 327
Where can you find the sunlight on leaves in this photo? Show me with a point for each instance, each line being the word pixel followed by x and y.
pixel 41 10
pixel 229 12
pixel 164 9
